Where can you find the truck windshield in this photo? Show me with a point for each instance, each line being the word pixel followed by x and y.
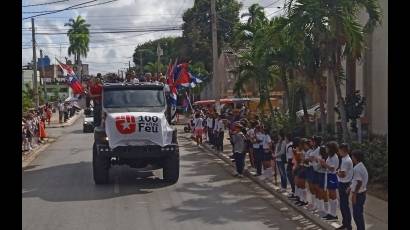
pixel 133 98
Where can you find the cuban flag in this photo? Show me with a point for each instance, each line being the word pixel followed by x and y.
pixel 71 78
pixel 182 74
pixel 171 71
pixel 193 80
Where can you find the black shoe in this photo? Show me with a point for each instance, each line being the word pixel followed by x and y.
pixel 343 227
pixel 330 217
pixel 292 196
pixel 302 204
pixel 232 157
pixel 298 202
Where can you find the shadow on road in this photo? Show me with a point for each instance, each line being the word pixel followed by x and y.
pixel 79 131
pixel 218 197
pixel 74 182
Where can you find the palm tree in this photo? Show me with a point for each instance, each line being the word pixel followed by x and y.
pixel 79 37
pixel 152 67
pixel 334 25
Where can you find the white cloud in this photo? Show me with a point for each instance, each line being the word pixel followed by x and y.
pixel 109 52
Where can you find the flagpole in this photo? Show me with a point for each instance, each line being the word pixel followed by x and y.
pixel 189 101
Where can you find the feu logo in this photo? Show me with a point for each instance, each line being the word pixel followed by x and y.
pixel 125 124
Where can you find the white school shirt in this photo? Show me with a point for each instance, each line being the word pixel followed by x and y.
pixel 360 173
pixel 266 140
pixel 332 162
pixel 347 167
pixel 259 137
pixel 209 122
pixel 306 155
pixel 221 125
pixel 198 123
pixel 316 155
pixel 289 151
pixel 280 149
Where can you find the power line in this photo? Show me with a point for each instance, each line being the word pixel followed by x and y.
pixel 113 32
pixel 48 11
pixel 275 12
pixel 46 3
pixel 67 8
pixel 111 16
pixel 71 8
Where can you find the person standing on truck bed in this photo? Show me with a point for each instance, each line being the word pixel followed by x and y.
pixel 95 95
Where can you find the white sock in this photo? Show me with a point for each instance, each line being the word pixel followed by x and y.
pixel 321 206
pixel 270 173
pixel 314 202
pixel 297 192
pixel 333 206
pixel 326 206
pixel 304 195
pixel 312 197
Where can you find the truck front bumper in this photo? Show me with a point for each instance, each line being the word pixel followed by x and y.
pixel 135 152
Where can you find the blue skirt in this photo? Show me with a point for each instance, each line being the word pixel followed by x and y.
pixel 332 182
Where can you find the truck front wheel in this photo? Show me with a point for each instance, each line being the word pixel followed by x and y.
pixel 171 168
pixel 101 166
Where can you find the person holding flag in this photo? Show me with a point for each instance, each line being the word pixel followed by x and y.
pixel 95 95
pixel 71 79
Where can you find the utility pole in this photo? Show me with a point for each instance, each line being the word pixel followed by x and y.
pixel 34 63
pixel 43 73
pixel 141 62
pixel 214 47
pixel 159 53
pixel 129 66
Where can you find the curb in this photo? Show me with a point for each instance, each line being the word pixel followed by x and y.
pixel 271 190
pixel 69 122
pixel 34 154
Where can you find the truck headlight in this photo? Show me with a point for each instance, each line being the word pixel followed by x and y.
pixel 106 138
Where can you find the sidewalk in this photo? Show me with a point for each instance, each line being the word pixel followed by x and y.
pixel 376 210
pixel 54 123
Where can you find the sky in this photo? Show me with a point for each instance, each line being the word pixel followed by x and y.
pixel 109 52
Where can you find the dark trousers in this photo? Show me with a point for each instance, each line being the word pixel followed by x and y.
pixel 220 140
pixel 239 162
pixel 209 135
pixel 358 210
pixel 212 137
pixel 65 116
pixel 97 114
pixel 289 174
pixel 258 153
pixel 344 205
pixel 60 116
pixel 282 172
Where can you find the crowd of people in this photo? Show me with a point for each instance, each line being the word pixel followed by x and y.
pixel 33 126
pixel 315 171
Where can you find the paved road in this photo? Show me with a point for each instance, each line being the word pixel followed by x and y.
pixel 59 193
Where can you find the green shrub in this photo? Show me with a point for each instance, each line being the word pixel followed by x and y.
pixel 376 159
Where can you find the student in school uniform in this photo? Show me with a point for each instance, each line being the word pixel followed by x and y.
pixel 344 176
pixel 323 204
pixel 238 142
pixel 280 155
pixel 331 164
pixel 220 133
pixel 309 171
pixel 257 139
pixel 358 188
pixel 289 165
pixel 210 123
pixel 299 171
pixel 249 134
pixel 198 129
pixel 315 176
pixel 267 155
